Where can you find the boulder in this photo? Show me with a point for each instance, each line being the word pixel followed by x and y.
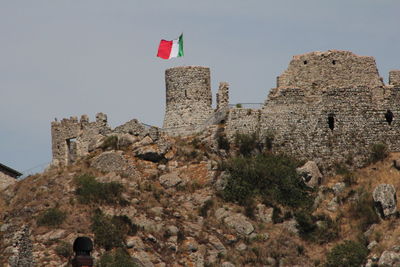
pixel 239 223
pixel 264 214
pixel 310 174
pixel 109 162
pixel 389 258
pixel 385 200
pixel 170 179
pixel 5 181
pixel 150 152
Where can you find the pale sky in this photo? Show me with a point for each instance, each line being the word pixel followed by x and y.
pixel 71 57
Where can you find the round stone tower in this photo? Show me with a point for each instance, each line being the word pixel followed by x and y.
pixel 188 98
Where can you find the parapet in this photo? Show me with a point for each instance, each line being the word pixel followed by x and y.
pixel 333 68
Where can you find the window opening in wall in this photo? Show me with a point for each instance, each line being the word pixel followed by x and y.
pixel 305 62
pixel 389 116
pixel 71 149
pixel 185 93
pixel 334 62
pixel 331 121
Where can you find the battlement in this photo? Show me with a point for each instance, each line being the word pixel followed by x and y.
pixel 327 106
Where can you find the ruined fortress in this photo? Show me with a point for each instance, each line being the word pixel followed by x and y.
pixel 329 107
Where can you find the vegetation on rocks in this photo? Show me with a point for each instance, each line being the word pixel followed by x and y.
pixel 109 232
pixel 116 258
pixel 51 217
pixel 347 254
pixel 91 191
pixel 269 176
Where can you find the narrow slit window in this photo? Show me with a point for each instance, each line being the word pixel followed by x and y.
pixel 389 116
pixel 331 121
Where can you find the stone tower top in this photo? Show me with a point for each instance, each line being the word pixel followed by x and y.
pixel 332 68
pixel 188 96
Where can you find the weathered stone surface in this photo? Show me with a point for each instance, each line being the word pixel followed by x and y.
pixel 109 162
pixel 310 174
pixel 188 102
pixel 389 258
pixel 240 223
pixel 385 200
pixel 264 214
pixel 23 249
pixel 71 138
pixel 151 153
pixel 170 179
pixel 6 180
pixel 338 188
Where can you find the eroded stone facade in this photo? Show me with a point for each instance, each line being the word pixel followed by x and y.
pixel 188 99
pixel 330 107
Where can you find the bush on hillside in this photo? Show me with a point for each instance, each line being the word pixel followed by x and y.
pixel 51 217
pixel 109 232
pixel 117 258
pixel 378 152
pixel 91 191
pixel 347 254
pixel 363 209
pixel 272 177
pixel 319 229
pixel 248 143
pixel 64 249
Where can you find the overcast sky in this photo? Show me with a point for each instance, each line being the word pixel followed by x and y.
pixel 71 57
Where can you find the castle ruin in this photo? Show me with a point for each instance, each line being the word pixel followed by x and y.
pixel 329 107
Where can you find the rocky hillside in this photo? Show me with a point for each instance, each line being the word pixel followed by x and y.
pixel 200 202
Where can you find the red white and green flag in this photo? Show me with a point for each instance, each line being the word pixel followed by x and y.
pixel 171 49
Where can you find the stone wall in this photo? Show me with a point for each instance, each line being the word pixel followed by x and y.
pixel 330 69
pixel 71 138
pixel 188 98
pixel 223 95
pixel 243 121
pixel 394 77
pixel 297 112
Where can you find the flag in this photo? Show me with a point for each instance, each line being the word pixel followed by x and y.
pixel 170 49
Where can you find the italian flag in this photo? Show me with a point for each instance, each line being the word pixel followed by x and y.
pixel 170 49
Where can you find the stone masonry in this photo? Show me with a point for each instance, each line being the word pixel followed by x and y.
pixel 188 98
pixel 329 107
pixel 321 87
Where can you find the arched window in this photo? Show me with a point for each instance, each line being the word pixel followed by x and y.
pixel 331 121
pixel 389 116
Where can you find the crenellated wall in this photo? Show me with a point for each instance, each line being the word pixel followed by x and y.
pixel 71 138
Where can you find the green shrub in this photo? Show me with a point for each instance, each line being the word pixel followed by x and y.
pixel 378 152
pixel 347 254
pixel 248 143
pixel 90 191
pixel 326 230
pixel 222 142
pixel 64 249
pixel 117 258
pixel 111 142
pixel 108 233
pixel 273 177
pixel 51 217
pixel 238 105
pixel 363 209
